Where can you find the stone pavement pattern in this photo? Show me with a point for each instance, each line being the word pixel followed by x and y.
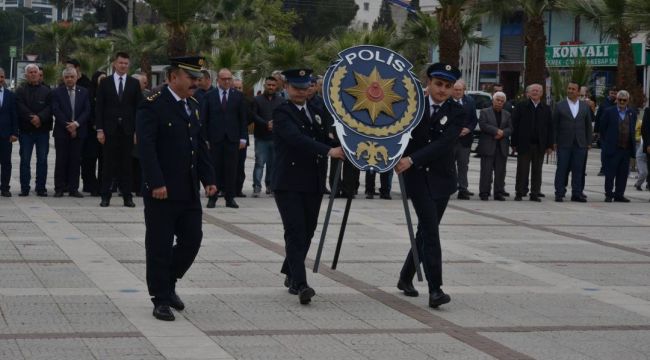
pixel 527 280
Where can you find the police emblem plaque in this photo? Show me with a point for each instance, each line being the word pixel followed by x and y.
pixel 375 101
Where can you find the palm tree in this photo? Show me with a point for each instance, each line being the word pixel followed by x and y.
pixel 93 53
pixel 449 14
pixel 534 34
pixel 638 12
pixel 177 14
pixel 610 17
pixel 61 35
pixel 144 44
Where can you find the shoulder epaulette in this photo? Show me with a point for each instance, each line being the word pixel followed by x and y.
pixel 153 96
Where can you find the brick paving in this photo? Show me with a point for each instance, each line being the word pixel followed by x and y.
pixel 527 280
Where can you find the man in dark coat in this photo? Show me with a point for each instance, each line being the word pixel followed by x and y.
pixel 617 128
pixel 8 133
pixel 429 177
pixel 464 145
pixel 263 107
pixel 532 137
pixel 71 109
pixel 496 129
pixel 33 101
pixel 116 101
pixel 223 115
pixel 302 146
pixel 174 159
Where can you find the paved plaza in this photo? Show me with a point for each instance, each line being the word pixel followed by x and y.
pixel 527 281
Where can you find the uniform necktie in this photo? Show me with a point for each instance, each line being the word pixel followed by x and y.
pixel 224 99
pixel 120 89
pixel 304 113
pixel 434 109
pixel 72 99
pixel 185 107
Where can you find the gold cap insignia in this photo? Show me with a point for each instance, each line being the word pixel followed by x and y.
pixel 448 67
pixel 301 73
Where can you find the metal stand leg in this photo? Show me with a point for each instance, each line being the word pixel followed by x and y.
pixel 335 189
pixel 341 233
pixel 409 225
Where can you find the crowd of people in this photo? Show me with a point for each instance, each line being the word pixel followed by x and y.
pixel 96 140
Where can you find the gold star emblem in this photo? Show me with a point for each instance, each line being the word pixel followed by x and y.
pixel 374 94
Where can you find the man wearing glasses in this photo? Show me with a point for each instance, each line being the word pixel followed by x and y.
pixel 617 141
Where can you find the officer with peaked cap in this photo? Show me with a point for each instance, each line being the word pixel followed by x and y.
pixel 174 158
pixel 429 176
pixel 302 145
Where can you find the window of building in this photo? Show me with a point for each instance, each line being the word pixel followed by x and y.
pixel 366 6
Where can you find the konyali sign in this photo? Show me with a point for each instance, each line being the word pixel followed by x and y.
pixel 595 55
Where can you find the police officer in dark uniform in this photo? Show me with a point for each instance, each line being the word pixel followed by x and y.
pixel 429 176
pixel 302 145
pixel 174 159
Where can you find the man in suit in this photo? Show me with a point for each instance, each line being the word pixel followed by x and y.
pixel 464 145
pixel 238 85
pixel 82 79
pixel 608 102
pixel 430 179
pixel 8 133
pixel 617 127
pixel 116 101
pixel 71 110
pixel 572 131
pixel 205 85
pixel 223 115
pixel 302 146
pixel 33 101
pixel 496 127
pixel 532 137
pixel 174 158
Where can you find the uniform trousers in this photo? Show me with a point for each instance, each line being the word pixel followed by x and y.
pixel 225 157
pixel 461 157
pixel 493 165
pixel 5 162
pixel 118 162
pixel 617 168
pixel 67 163
pixel 385 180
pixel 166 261
pixel 299 213
pixel 427 240
pixel 530 163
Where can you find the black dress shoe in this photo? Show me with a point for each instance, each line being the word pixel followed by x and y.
pixel 231 204
pixel 505 193
pixel 638 187
pixel 408 288
pixel 370 196
pixel 484 197
pixel 76 194
pixel 608 199
pixel 163 312
pixel 578 199
pixel 621 199
pixel 540 195
pixel 128 202
pixel 41 193
pixel 105 201
pixel 240 195
pixel 24 193
pixel 176 302
pixel 287 281
pixel 463 196
pixel 469 193
pixel 517 197
pixel 5 193
pixel 289 284
pixel 559 198
pixel 499 197
pixel 212 201
pixel 437 298
pixel 305 294
pixel 535 198
pixel 58 194
pixel 94 193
